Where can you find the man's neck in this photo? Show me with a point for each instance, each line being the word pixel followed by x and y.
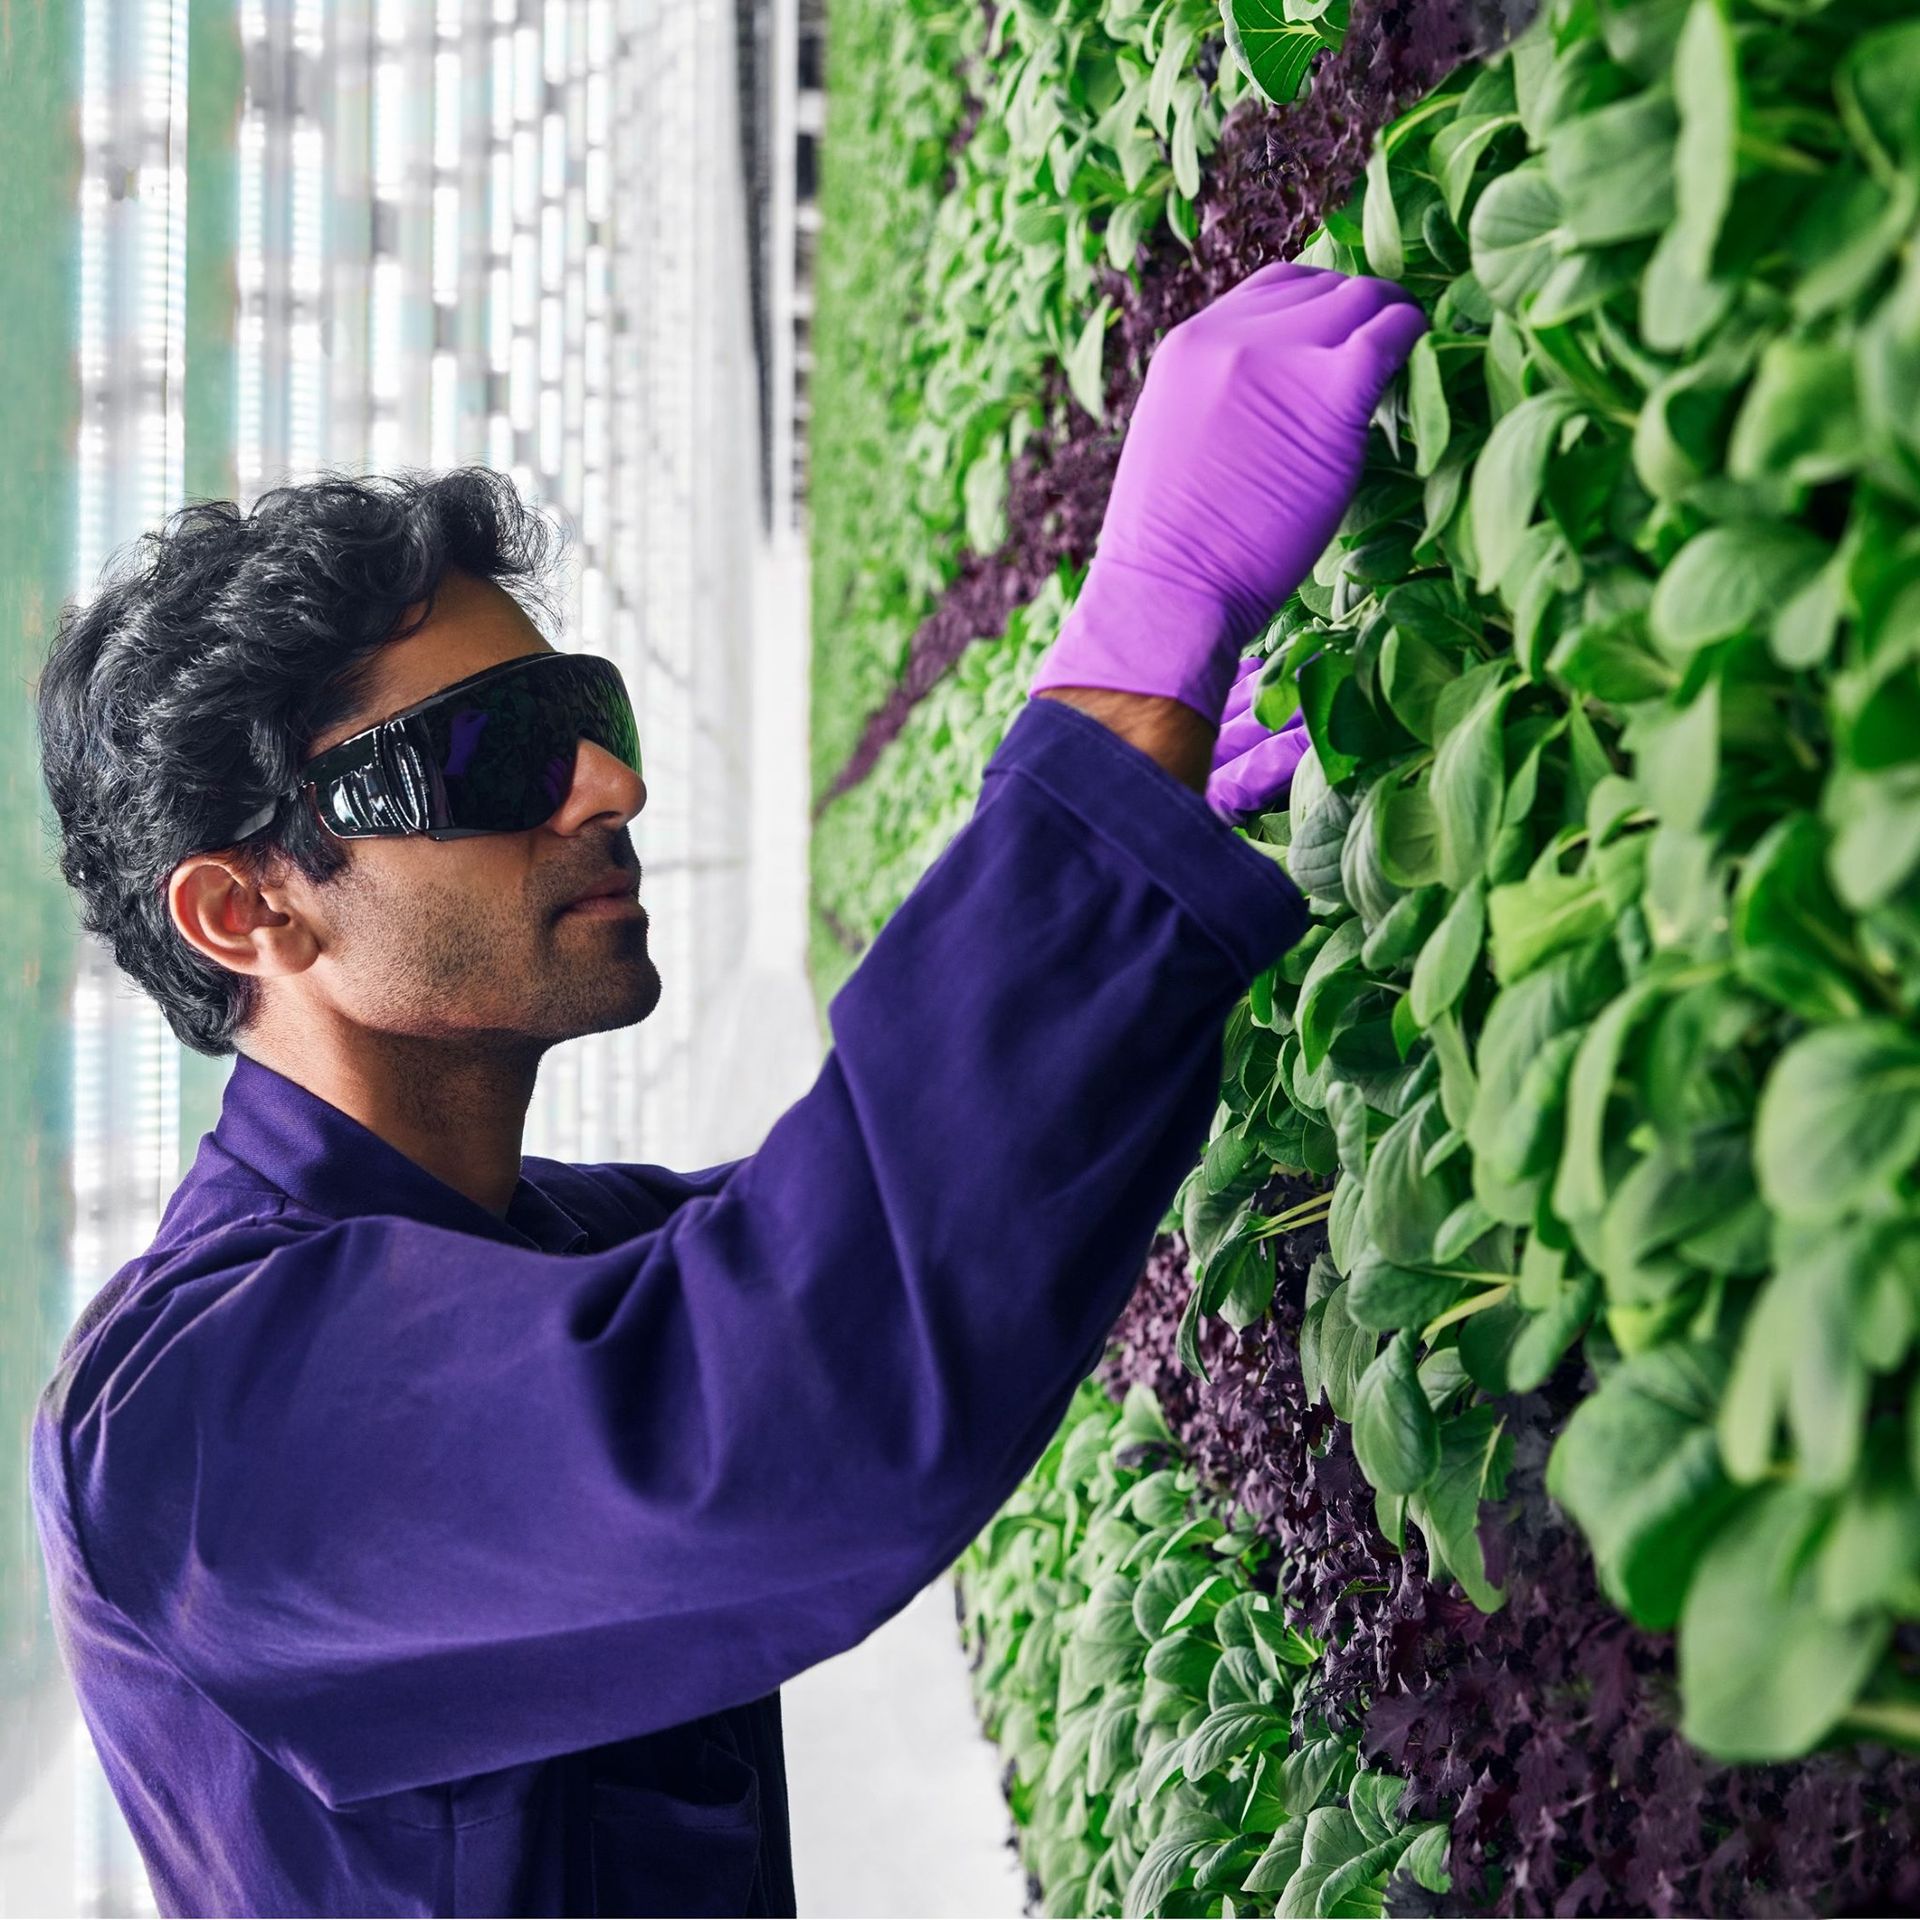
pixel 461 1116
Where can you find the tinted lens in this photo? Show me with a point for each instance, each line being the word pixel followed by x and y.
pixel 505 752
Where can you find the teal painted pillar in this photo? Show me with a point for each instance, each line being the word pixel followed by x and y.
pixel 216 79
pixel 40 162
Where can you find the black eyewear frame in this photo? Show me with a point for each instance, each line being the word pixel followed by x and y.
pixel 492 753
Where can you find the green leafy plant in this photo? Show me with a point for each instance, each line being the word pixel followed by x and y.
pixel 1611 832
pixel 872 844
pixel 1094 128
pixel 1147 1693
pixel 894 100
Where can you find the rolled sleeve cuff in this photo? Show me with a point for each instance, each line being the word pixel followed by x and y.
pixel 1243 899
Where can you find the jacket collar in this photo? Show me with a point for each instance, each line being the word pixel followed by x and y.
pixel 332 1164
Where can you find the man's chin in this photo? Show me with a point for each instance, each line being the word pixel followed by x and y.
pixel 622 997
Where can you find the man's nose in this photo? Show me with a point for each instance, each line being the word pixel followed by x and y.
pixel 603 784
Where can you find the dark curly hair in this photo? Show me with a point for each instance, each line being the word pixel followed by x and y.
pixel 182 697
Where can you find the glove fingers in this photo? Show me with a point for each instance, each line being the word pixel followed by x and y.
pixel 1240 695
pixel 1394 331
pixel 1237 735
pixel 1258 779
pixel 1346 310
pixel 1278 274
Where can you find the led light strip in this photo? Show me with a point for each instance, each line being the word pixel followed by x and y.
pixel 124 1062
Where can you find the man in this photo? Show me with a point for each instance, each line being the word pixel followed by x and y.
pixel 429 1527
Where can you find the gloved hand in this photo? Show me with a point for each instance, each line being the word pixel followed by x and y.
pixel 1252 765
pixel 1244 449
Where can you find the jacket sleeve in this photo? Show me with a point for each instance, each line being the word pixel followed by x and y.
pixel 409 1505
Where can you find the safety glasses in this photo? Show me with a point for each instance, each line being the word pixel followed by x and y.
pixel 493 753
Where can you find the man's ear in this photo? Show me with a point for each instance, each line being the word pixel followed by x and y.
pixel 236 911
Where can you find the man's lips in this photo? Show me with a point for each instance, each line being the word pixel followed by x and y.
pixel 604 906
pixel 614 896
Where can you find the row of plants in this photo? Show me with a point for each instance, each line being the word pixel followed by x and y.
pixel 1543 1732
pixel 1261 196
pixel 872 846
pixel 1597 1065
pixel 1607 1017
pixel 1155 1702
pixel 1093 123
pixel 895 106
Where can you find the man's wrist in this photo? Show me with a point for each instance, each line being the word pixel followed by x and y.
pixel 1166 730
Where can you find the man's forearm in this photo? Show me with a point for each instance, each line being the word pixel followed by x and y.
pixel 1164 729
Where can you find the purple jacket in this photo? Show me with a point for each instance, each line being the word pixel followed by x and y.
pixel 406 1560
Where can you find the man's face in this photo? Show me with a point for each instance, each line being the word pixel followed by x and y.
pixel 471 938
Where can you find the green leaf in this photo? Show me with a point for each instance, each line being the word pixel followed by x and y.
pixel 1169 1860
pixel 1877 85
pixel 1384 1297
pixel 1353 1890
pixel 1447 960
pixel 1544 1339
pixel 1111 1746
pixel 1335 1353
pixel 1141 1417
pixel 1567 992
pixel 1333 1838
pixel 1469 783
pixel 1508 477
pixel 1413 675
pixel 1123 232
pixel 1184 1661
pixel 1281 1861
pixel 1374 1801
pixel 1318 839
pixel 1405 1205
pixel 1380 221
pixel 985 492
pixel 1801 416
pixel 1228 1732
pixel 1870 1559
pixel 1329 988
pixel 1676 755
pixel 1538 917
pixel 1083 364
pixel 1638 1467
pixel 1457 151
pixel 1729 579
pixel 1273 50
pixel 1876 833
pixel 1400 936
pixel 1764 1675
pixel 1799 1358
pixel 1246 1282
pixel 1791 938
pixel 1426 1857
pixel 1475 1454
pixel 1612 170
pixel 1239 1679
pixel 1185 148
pixel 1515 224
pixel 1839 1119
pixel 1395 1436
pixel 1283 1645
pixel 1706 87
pixel 1427 403
pixel 1407 831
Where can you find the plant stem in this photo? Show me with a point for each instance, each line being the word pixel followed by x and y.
pixel 1478 1304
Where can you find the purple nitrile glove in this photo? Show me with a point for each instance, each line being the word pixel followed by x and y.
pixel 1243 452
pixel 1253 766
